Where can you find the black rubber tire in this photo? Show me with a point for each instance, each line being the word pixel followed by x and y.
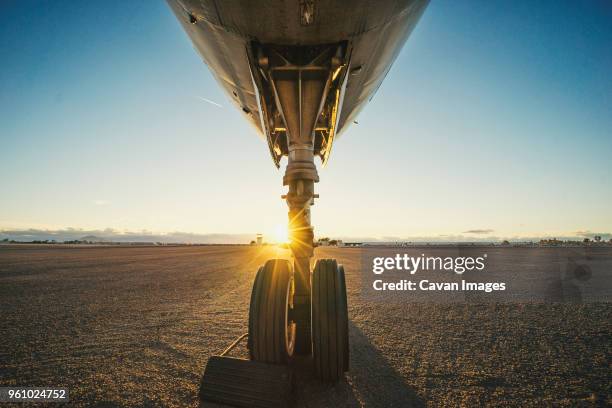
pixel 271 333
pixel 252 307
pixel 330 343
pixel 344 306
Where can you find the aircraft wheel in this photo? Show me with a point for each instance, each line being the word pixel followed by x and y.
pixel 271 330
pixel 330 344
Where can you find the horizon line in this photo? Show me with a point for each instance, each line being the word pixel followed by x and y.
pixel 115 235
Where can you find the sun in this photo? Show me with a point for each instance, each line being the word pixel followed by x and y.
pixel 281 234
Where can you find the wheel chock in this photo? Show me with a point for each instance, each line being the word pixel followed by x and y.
pixel 246 383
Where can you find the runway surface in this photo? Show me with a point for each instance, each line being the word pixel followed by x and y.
pixel 134 326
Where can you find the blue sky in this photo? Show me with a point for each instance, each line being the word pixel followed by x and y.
pixel 495 117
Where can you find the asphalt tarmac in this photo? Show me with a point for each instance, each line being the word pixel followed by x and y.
pixel 134 326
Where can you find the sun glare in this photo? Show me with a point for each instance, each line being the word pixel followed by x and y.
pixel 281 234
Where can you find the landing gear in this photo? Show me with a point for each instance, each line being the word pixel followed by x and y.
pixel 317 307
pixel 294 310
pixel 300 92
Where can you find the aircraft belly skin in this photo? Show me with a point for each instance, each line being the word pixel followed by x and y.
pixel 222 30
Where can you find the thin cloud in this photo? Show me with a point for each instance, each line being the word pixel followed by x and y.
pixel 478 231
pixel 101 202
pixel 112 235
pixel 209 101
pixel 591 234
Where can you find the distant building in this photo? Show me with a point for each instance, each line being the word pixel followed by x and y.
pixel 259 239
pixel 551 242
pixel 329 242
pixel 323 242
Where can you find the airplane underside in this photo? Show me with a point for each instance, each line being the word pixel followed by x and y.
pixel 300 71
